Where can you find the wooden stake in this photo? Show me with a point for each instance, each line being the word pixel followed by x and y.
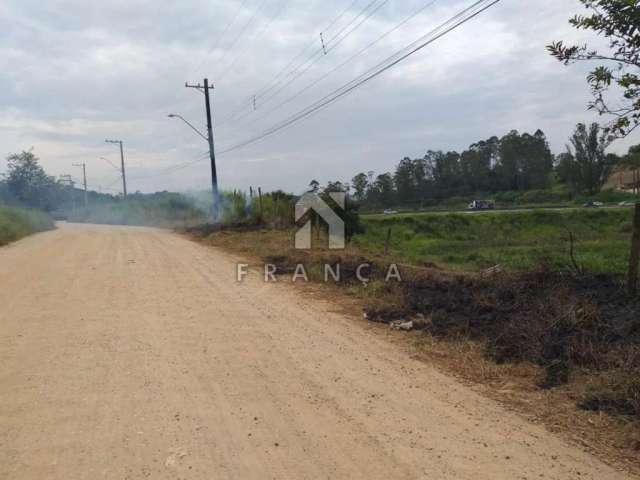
pixel 634 259
pixel 386 243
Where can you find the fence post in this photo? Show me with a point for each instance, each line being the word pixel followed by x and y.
pixel 260 202
pixel 386 243
pixel 634 259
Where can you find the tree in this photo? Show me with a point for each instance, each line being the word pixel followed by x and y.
pixel 405 182
pixel 632 161
pixel 314 186
pixel 382 192
pixel 525 161
pixel 619 22
pixel 592 164
pixel 567 171
pixel 360 184
pixel 538 162
pixel 29 184
pixel 336 186
pixel 422 178
pixel 445 170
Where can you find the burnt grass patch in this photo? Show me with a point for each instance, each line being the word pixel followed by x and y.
pixel 561 322
pixel 581 329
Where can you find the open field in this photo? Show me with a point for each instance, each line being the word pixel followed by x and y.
pixel 516 240
pixel 16 223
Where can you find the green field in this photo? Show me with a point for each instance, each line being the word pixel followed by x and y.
pixel 515 240
pixel 16 223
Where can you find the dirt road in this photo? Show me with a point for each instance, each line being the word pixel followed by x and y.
pixel 132 353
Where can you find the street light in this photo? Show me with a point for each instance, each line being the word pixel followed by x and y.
pixel 175 115
pixel 110 163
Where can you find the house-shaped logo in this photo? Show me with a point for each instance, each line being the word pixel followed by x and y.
pixel 313 202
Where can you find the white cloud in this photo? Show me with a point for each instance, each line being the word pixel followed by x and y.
pixel 74 72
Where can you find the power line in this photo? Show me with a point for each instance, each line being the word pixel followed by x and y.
pixel 242 31
pixel 446 27
pixel 222 33
pixel 467 14
pixel 311 44
pixel 320 53
pixel 267 24
pixel 249 101
pixel 346 62
pixel 329 50
pixel 174 168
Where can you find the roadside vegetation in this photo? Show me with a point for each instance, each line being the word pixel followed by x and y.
pixel 162 209
pixel 564 337
pixel 26 185
pixel 16 223
pixel 513 241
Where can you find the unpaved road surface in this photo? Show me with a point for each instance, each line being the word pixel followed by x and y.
pixel 131 353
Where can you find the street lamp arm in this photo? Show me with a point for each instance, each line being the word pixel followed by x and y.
pixel 174 115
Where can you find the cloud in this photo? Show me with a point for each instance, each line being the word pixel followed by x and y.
pixel 73 73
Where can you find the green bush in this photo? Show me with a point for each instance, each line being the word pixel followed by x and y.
pixel 16 223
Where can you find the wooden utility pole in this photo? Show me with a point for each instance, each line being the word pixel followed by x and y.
pixel 634 259
pixel 212 155
pixel 122 169
pixel 84 181
pixel 260 202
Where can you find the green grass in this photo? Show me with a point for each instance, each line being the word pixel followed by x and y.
pixel 16 223
pixel 514 240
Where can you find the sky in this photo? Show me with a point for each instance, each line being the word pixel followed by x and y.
pixel 74 73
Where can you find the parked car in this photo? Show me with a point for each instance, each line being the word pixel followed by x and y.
pixel 390 212
pixel 482 205
pixel 626 204
pixel 592 204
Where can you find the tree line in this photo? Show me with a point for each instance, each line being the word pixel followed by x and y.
pixel 27 184
pixel 516 162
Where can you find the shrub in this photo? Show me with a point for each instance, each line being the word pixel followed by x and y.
pixel 16 223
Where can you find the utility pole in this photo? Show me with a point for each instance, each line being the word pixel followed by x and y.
pixel 68 180
pixel 84 180
pixel 124 176
pixel 212 155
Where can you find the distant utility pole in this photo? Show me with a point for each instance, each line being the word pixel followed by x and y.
pixel 68 181
pixel 124 176
pixel 84 180
pixel 212 155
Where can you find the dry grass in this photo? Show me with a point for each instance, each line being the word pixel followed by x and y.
pixel 614 439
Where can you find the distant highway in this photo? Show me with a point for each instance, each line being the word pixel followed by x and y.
pixel 494 211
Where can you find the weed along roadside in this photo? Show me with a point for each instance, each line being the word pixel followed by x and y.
pixel 564 339
pixel 16 223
